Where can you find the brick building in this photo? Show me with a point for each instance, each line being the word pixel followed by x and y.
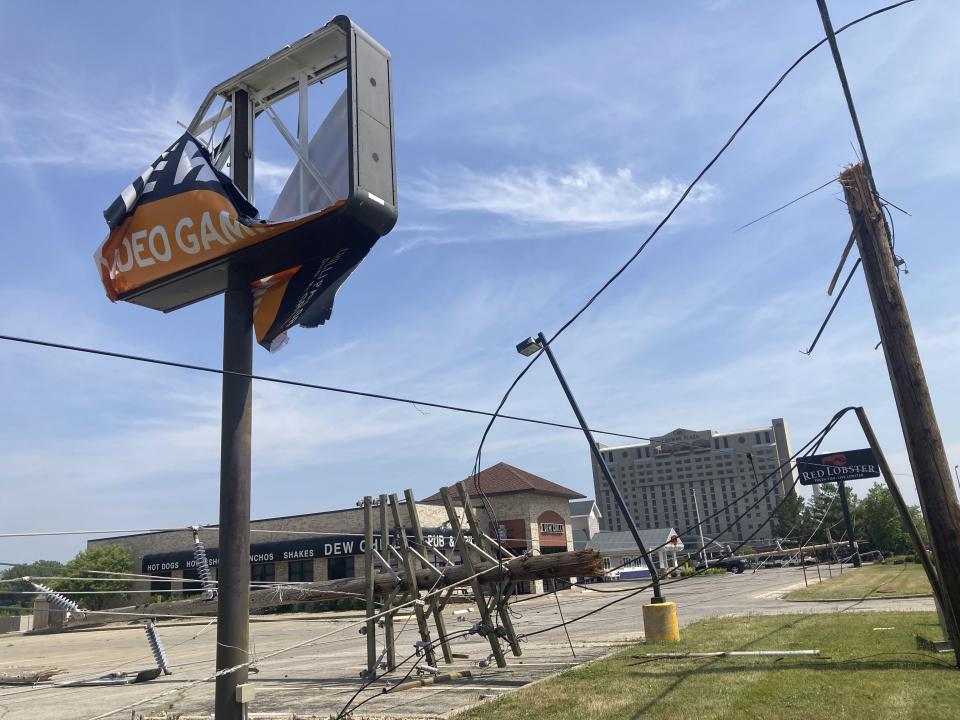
pixel 524 511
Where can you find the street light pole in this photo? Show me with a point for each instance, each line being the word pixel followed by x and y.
pixel 703 549
pixel 541 342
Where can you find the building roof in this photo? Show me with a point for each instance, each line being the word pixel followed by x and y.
pixel 579 508
pixel 612 541
pixel 504 479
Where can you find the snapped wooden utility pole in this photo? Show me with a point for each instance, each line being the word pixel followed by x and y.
pixel 928 459
pixel 578 563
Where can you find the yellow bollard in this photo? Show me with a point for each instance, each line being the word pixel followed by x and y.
pixel 660 622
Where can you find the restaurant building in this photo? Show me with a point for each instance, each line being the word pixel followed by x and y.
pixel 527 512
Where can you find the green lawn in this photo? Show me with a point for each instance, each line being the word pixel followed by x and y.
pixel 875 581
pixel 872 667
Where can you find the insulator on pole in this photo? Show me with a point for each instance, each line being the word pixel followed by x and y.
pixel 156 647
pixel 203 565
pixel 60 602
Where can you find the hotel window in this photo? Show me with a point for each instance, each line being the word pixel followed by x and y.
pixel 757 437
pixel 766 434
pixel 300 571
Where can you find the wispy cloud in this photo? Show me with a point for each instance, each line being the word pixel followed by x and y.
pixel 583 197
pixel 270 177
pixel 54 119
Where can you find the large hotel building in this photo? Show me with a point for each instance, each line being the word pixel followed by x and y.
pixel 666 482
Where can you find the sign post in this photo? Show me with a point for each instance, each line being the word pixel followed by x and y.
pixel 233 572
pixel 183 232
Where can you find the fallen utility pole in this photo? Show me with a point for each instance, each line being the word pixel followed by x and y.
pixel 792 550
pixel 580 563
pixel 938 498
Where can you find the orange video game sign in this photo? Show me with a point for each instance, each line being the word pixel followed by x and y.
pixel 183 213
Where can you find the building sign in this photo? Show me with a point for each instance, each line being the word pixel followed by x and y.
pixel 325 546
pixel 681 440
pixel 834 467
pixel 183 214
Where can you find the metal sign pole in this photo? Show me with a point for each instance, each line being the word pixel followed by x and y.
pixel 848 523
pixel 233 574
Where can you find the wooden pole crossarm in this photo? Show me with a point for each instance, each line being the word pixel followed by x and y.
pixel 410 565
pixel 368 573
pixel 436 602
pixel 472 570
pixel 498 600
pixel 483 552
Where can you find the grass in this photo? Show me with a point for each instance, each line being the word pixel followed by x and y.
pixel 870 581
pixel 873 666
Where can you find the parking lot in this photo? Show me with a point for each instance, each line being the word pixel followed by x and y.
pixel 317 677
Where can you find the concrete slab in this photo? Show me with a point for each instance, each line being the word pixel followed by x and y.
pixel 320 676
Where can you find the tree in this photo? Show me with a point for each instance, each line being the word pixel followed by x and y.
pixel 789 515
pixel 11 601
pixel 825 512
pixel 921 524
pixel 878 517
pixel 107 559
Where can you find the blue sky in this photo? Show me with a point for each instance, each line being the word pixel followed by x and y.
pixel 536 146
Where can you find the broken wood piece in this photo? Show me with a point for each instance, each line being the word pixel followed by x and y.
pixel 433 679
pixel 27 677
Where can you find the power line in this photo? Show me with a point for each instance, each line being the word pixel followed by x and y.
pixel 274 653
pixel 300 384
pixel 713 160
pixel 665 219
pixel 786 205
pixel 814 442
pixel 836 302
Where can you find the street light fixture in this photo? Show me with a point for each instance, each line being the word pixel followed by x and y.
pixel 531 346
